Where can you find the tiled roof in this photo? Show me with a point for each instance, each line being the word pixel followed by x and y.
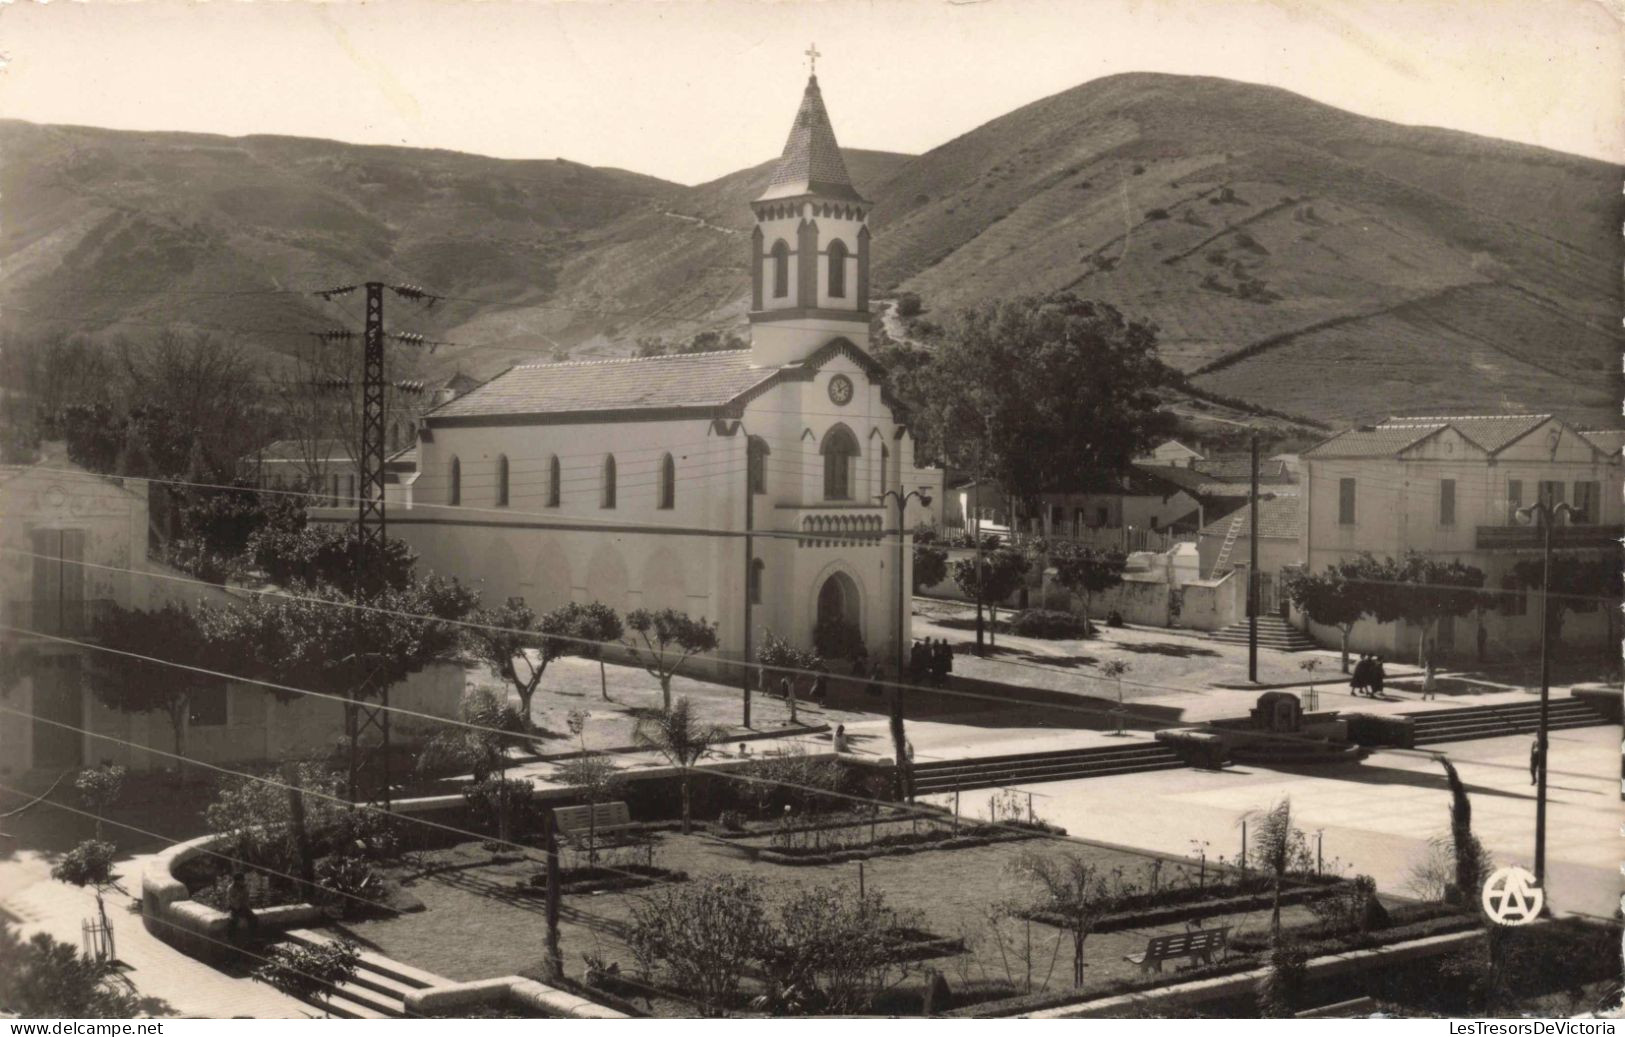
pixel 1197 484
pixel 812 162
pixel 1493 432
pixel 685 381
pixel 1608 440
pixel 1278 517
pixel 1239 469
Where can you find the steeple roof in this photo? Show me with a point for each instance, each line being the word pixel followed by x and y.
pixel 811 163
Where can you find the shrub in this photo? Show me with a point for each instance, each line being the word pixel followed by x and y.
pixel 348 884
pixel 1114 618
pixel 1156 214
pixel 1048 624
pixel 308 973
pixel 908 304
pixel 702 938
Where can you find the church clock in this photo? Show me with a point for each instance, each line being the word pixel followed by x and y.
pixel 840 390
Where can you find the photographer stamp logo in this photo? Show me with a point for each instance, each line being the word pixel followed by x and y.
pixel 1511 897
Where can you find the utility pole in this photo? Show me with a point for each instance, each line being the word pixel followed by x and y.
pixel 1546 513
pixel 976 538
pixel 1252 572
pixel 904 767
pixel 750 571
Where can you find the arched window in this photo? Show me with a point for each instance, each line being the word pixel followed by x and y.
pixel 668 482
pixel 781 269
pixel 757 463
pixel 502 481
pixel 837 269
pixel 840 449
pixel 608 498
pixel 553 481
pixel 455 495
pixel 756 567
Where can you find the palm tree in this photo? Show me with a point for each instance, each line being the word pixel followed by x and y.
pixel 1279 845
pixel 682 738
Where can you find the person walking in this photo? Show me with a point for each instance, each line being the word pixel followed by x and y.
pixel 939 663
pixel 1534 761
pixel 840 739
pixel 820 685
pixel 1378 676
pixel 1360 680
pixel 237 901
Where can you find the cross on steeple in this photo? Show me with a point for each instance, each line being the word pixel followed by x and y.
pixel 812 59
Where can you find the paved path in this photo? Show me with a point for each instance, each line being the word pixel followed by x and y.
pixel 1378 816
pixel 186 985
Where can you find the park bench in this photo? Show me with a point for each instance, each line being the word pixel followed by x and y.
pixel 605 822
pixel 1198 945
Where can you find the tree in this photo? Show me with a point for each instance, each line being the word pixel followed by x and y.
pixel 1471 859
pixel 704 936
pixel 504 637
pixel 1085 571
pixel 258 825
pixel 669 637
pixel 1435 590
pixel 1281 847
pixel 208 390
pixel 45 979
pixel 125 682
pixel 218 526
pixel 595 777
pixel 832 951
pixel 99 788
pixel 1071 889
pixel 1001 574
pixel 1579 583
pixel 1054 386
pixel 90 864
pixel 1329 599
pixel 310 972
pixel 779 658
pixel 586 628
pixel 930 564
pixel 329 555
pixel 683 739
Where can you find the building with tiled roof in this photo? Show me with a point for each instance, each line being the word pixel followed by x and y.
pixel 1451 487
pixel 752 487
pixel 1223 544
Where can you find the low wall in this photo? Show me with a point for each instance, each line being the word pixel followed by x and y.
pixel 169 912
pixel 512 991
pixel 1213 604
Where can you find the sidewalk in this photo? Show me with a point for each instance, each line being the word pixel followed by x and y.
pixel 189 987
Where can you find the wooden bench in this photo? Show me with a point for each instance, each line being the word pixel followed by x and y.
pixel 601 821
pixel 1198 945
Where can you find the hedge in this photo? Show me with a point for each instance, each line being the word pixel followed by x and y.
pixel 1376 730
pixel 1048 624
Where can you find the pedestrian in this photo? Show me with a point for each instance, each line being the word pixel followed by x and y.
pixel 820 685
pixel 876 676
pixel 939 663
pixel 1430 689
pixel 1535 756
pixel 1361 679
pixel 1378 676
pixel 237 900
pixel 947 661
pixel 784 688
pixel 840 739
pixel 916 663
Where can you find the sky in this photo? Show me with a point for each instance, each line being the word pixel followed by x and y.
pixel 689 91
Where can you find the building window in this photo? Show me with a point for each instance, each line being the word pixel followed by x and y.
pixel 349 489
pixel 1103 517
pixel 502 481
pixel 553 481
pixel 756 568
pixel 840 449
pixel 756 461
pixel 1155 524
pixel 1447 502
pixel 781 269
pixel 607 500
pixel 1551 492
pixel 837 269
pixel 333 500
pixel 668 482
pixel 1515 600
pixel 1345 502
pixel 206 707
pixel 456 494
pixel 1514 500
pixel 1587 503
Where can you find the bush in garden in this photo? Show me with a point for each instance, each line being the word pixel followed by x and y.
pixel 1048 624
pixel 702 938
pixel 348 883
pixel 831 951
pixel 309 973
pixel 1280 987
pixel 908 304
pixel 1354 908
pixel 254 816
pixel 1114 618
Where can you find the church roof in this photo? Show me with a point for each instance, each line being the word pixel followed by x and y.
pixel 1492 432
pixel 681 382
pixel 812 162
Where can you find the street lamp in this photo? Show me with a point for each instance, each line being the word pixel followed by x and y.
pixel 1545 514
pixel 902 500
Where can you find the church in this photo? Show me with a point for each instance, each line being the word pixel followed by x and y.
pixel 748 486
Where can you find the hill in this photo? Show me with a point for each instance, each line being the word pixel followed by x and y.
pixel 1294 255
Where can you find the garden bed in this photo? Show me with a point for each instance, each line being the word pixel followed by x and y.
pixel 891 845
pixel 602 879
pixel 1187 903
pixel 208 880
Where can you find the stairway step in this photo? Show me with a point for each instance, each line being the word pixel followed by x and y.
pixel 399 973
pixel 1102 752
pixel 997 780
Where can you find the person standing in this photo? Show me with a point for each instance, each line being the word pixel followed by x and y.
pixel 820 685
pixel 1535 756
pixel 1360 680
pixel 876 676
pixel 237 901
pixel 1378 676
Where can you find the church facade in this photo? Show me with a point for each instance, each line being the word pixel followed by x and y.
pixel 725 484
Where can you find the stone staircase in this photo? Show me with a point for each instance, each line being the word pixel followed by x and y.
pixel 1517 718
pixel 1131 757
pixel 377 991
pixel 1273 632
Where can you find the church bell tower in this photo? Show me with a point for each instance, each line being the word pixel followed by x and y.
pixel 810 248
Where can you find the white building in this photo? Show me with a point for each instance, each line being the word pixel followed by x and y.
pixel 698 482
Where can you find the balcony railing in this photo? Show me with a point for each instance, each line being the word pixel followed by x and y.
pixel 828 525
pixel 57 618
pixel 1531 538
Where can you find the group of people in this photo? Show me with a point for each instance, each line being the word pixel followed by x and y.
pixel 933 660
pixel 1368 676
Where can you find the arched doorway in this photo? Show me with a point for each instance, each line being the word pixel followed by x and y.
pixel 838 626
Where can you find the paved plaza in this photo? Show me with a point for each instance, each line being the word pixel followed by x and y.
pixel 1376 817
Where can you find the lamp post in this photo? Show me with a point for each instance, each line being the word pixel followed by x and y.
pixel 902 500
pixel 1545 514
